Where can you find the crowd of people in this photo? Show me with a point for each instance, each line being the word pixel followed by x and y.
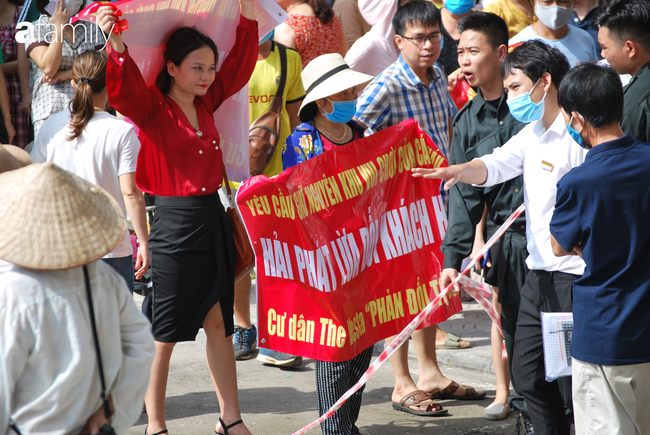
pixel 560 121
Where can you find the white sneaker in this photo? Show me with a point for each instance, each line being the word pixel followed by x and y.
pixel 496 411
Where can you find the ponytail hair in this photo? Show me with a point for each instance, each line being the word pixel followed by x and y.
pixel 322 10
pixel 179 45
pixel 89 74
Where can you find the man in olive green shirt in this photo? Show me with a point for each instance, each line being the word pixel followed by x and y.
pixel 482 125
pixel 624 36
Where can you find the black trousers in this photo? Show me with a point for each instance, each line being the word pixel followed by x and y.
pixel 333 379
pixel 546 401
pixel 508 272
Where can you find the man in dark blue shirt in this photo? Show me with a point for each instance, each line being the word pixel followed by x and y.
pixel 601 214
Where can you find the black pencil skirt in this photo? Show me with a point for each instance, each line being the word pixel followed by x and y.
pixel 192 264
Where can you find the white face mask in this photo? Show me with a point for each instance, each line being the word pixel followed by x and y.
pixel 554 16
pixel 73 6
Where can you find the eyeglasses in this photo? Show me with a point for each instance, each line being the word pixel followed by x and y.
pixel 421 40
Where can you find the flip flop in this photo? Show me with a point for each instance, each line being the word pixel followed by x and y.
pixel 422 401
pixel 453 342
pixel 448 393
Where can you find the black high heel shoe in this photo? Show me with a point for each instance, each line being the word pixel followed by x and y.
pixel 157 433
pixel 224 427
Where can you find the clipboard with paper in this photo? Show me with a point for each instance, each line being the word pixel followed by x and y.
pixel 557 330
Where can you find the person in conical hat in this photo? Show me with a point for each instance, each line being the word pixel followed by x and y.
pixel 54 226
pixel 12 157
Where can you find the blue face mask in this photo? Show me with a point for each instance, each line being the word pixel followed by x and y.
pixel 267 37
pixel 523 109
pixel 343 111
pixel 575 135
pixel 459 7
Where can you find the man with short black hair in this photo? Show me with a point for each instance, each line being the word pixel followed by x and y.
pixel 605 222
pixel 543 152
pixel 482 125
pixel 624 36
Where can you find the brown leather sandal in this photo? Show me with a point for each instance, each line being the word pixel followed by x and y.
pixel 420 403
pixel 469 394
pixel 225 428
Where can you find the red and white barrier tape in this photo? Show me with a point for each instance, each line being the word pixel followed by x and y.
pixel 483 294
pixel 406 332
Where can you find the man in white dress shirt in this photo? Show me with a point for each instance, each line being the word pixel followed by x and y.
pixel 543 152
pixel 55 226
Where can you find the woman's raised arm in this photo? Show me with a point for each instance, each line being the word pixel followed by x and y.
pixel 127 91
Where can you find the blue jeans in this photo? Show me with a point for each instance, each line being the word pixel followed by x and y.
pixel 123 266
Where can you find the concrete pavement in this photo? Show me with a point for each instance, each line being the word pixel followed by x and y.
pixel 281 401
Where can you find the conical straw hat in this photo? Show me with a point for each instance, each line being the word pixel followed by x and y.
pixel 52 219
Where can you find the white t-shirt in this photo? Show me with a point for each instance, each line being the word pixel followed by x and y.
pixel 578 46
pixel 106 149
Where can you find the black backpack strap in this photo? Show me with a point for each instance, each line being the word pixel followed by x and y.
pixel 13 426
pixel 276 104
pixel 107 406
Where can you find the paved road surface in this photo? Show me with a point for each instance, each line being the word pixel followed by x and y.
pixel 280 401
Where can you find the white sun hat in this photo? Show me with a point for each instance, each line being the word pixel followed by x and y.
pixel 52 219
pixel 327 75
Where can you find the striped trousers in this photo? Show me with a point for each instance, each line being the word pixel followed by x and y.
pixel 333 379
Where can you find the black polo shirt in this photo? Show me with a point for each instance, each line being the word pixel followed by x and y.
pixel 479 128
pixel 636 113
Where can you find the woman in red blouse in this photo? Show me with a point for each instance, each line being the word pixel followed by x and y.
pixel 180 162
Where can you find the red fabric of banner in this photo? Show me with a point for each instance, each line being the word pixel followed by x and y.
pixel 347 245
pixel 461 93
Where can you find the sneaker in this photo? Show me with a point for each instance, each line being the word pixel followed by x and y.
pixel 245 340
pixel 279 359
pixel 496 411
pixel 524 423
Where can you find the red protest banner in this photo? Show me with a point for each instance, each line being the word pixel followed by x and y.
pixel 347 245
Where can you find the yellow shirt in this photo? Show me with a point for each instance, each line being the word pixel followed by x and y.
pixel 514 17
pixel 262 87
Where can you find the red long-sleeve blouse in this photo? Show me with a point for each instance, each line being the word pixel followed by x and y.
pixel 173 159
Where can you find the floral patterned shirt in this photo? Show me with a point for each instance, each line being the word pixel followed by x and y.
pixel 314 38
pixel 306 142
pixel 46 98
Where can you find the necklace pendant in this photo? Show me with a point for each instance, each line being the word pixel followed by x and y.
pixel 199 133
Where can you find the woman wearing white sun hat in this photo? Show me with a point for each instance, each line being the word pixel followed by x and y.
pixel 327 110
pixel 326 114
